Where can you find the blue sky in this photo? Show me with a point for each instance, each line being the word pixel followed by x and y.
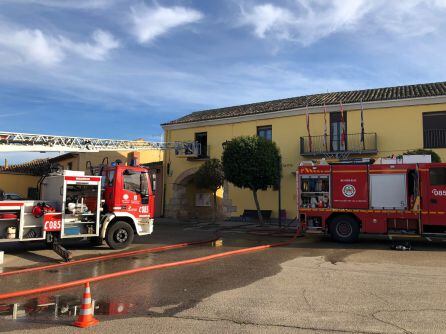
pixel 115 68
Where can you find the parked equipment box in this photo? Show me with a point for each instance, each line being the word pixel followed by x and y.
pixel 388 191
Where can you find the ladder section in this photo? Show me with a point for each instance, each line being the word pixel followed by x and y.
pixel 28 142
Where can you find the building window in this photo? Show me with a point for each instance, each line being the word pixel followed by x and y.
pixel 70 166
pixel 338 131
pixel 202 139
pixel 434 129
pixel 265 132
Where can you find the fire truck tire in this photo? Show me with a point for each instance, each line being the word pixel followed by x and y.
pixel 344 229
pixel 119 235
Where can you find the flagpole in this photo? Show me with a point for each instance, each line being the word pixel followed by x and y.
pixel 342 126
pixel 308 128
pixel 362 126
pixel 325 128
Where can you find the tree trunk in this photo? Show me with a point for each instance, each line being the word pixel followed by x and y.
pixel 256 200
pixel 214 213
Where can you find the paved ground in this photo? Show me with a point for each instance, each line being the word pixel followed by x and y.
pixel 311 286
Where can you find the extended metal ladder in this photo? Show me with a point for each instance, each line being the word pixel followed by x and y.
pixel 28 142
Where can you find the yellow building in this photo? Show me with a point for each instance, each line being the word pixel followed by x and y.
pixel 83 160
pixel 22 179
pixel 396 119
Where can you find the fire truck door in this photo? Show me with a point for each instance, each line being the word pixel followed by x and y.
pixel 107 188
pixel 436 196
pixel 132 195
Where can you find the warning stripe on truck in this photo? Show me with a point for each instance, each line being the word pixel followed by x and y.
pixel 357 210
pixel 372 211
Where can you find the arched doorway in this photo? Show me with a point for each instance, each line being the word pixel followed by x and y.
pixel 190 203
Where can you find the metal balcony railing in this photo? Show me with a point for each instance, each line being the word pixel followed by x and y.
pixel 434 138
pixel 352 145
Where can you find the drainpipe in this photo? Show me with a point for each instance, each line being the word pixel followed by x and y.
pixel 279 193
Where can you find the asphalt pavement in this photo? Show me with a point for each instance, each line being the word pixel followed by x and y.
pixel 311 286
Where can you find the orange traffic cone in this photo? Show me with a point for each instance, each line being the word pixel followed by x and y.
pixel 86 318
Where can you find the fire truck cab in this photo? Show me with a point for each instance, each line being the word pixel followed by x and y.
pixel 128 199
pixel 112 206
pixel 346 200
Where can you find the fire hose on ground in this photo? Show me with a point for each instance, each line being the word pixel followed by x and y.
pixel 66 285
pixel 108 257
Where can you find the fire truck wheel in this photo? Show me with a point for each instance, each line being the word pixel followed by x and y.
pixel 344 229
pixel 119 235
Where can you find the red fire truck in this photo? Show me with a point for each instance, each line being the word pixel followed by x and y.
pixel 345 200
pixel 112 206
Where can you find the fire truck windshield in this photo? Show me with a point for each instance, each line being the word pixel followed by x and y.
pixel 136 182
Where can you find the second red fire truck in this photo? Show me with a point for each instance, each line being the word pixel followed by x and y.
pixel 346 200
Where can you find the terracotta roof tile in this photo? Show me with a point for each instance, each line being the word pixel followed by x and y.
pixel 367 95
pixel 34 167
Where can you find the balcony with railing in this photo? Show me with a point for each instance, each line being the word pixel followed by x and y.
pixel 336 146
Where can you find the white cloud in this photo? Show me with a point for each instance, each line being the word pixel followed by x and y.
pixel 269 19
pixel 32 46
pixel 152 22
pixel 411 18
pixel 104 42
pixel 306 22
pixel 311 20
pixel 36 47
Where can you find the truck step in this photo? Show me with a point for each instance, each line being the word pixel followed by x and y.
pixel 435 235
pixel 314 230
pixel 403 235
